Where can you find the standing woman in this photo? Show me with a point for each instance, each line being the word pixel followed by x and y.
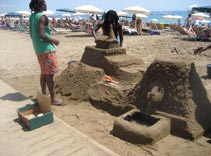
pixel 111 17
pixel 44 46
pixel 139 25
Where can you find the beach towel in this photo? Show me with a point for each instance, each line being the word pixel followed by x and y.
pixel 153 32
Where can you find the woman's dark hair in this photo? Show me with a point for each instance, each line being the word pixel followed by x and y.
pixel 112 13
pixel 36 5
pixel 106 22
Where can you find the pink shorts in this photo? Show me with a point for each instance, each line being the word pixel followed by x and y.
pixel 48 63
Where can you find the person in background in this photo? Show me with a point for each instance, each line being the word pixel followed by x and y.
pixel 44 46
pixel 133 22
pixel 111 17
pixel 139 25
pixel 188 22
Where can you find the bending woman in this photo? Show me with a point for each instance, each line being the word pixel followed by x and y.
pixel 111 18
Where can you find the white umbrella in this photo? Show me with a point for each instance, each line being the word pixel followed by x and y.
pixel 2 15
pixel 122 14
pixel 25 13
pixel 177 17
pixel 48 12
pixel 66 15
pixel 200 14
pixel 205 21
pixel 88 9
pixel 154 20
pixel 141 16
pixel 172 17
pixel 167 17
pixel 78 14
pixel 136 10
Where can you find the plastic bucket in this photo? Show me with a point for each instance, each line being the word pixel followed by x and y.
pixel 209 70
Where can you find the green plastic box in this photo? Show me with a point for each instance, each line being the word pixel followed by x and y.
pixel 30 116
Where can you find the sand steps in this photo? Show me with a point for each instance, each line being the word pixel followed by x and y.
pixel 115 62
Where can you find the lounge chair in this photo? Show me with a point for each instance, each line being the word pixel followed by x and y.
pixel 201 35
pixel 185 34
pixel 153 26
pixel 129 31
pixel 154 30
pixel 173 27
pixel 158 25
pixel 181 30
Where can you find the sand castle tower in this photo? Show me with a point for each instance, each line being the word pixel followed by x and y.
pixel 113 59
pixel 84 80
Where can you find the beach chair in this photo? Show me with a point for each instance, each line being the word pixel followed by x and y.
pixel 181 30
pixel 60 30
pixel 201 35
pixel 154 30
pixel 158 25
pixel 153 26
pixel 172 27
pixel 127 30
pixel 185 35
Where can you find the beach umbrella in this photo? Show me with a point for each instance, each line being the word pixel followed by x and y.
pixel 66 15
pixel 65 10
pixel 167 17
pixel 136 10
pixel 13 14
pixel 2 15
pixel 78 14
pixel 203 8
pixel 88 9
pixel 173 17
pixel 141 15
pixel 48 12
pixel 122 14
pixel 23 12
pixel 205 21
pixel 177 17
pixel 200 14
pixel 154 20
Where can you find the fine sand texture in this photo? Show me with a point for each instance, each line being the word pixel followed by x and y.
pixel 19 68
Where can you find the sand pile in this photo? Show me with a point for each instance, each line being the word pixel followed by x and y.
pixel 76 80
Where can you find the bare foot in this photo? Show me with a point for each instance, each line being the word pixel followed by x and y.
pixel 57 102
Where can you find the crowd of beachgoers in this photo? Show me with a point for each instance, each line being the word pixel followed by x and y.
pixel 133 26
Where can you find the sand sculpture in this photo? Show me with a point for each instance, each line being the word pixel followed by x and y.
pixel 170 96
pixel 106 58
pixel 171 89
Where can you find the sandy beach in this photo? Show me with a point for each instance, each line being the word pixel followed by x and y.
pixel 19 68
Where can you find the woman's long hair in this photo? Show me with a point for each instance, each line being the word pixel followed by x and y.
pixel 107 24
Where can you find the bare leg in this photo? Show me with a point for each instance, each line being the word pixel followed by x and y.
pixel 43 83
pixel 50 84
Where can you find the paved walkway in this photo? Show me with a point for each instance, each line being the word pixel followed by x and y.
pixel 57 138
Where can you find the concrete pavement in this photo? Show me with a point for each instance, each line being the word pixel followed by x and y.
pixel 57 138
